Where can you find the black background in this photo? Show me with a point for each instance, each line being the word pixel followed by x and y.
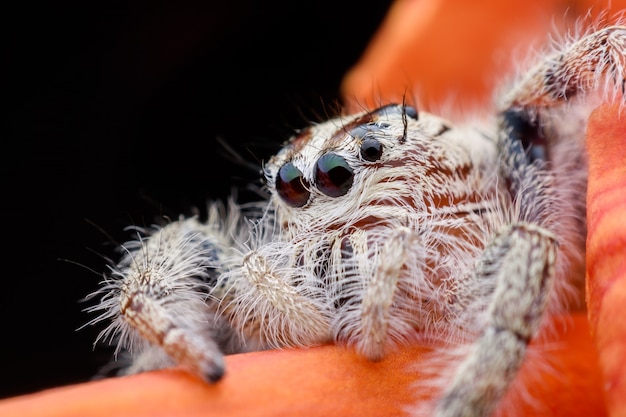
pixel 115 110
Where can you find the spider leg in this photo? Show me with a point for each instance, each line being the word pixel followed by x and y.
pixel 275 301
pixel 521 262
pixel 157 299
pixel 187 345
pixel 379 294
pixel 597 61
pixel 522 259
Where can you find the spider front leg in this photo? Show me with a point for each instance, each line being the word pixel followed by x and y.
pixel 377 288
pixel 157 297
pixel 379 294
pixel 522 262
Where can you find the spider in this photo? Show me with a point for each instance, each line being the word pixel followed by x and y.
pixel 383 228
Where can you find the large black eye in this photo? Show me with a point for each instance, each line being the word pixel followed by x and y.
pixel 333 175
pixel 291 186
pixel 371 149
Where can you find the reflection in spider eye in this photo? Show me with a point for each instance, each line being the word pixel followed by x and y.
pixel 291 185
pixel 371 149
pixel 333 175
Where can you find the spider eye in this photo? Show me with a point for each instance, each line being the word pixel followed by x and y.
pixel 333 175
pixel 360 131
pixel 411 112
pixel 371 149
pixel 291 186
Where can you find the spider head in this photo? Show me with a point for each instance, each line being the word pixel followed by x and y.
pixel 324 161
pixel 354 170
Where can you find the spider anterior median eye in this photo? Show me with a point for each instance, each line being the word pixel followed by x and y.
pixel 333 175
pixel 371 149
pixel 291 185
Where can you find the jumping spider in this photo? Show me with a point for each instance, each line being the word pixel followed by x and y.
pixel 383 228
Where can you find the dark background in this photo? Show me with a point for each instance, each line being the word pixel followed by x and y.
pixel 115 114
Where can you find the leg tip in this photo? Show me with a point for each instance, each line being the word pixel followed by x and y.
pixel 214 375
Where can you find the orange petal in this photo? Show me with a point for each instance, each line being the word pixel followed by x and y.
pixel 316 382
pixel 606 248
pixel 437 52
pixel 442 50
